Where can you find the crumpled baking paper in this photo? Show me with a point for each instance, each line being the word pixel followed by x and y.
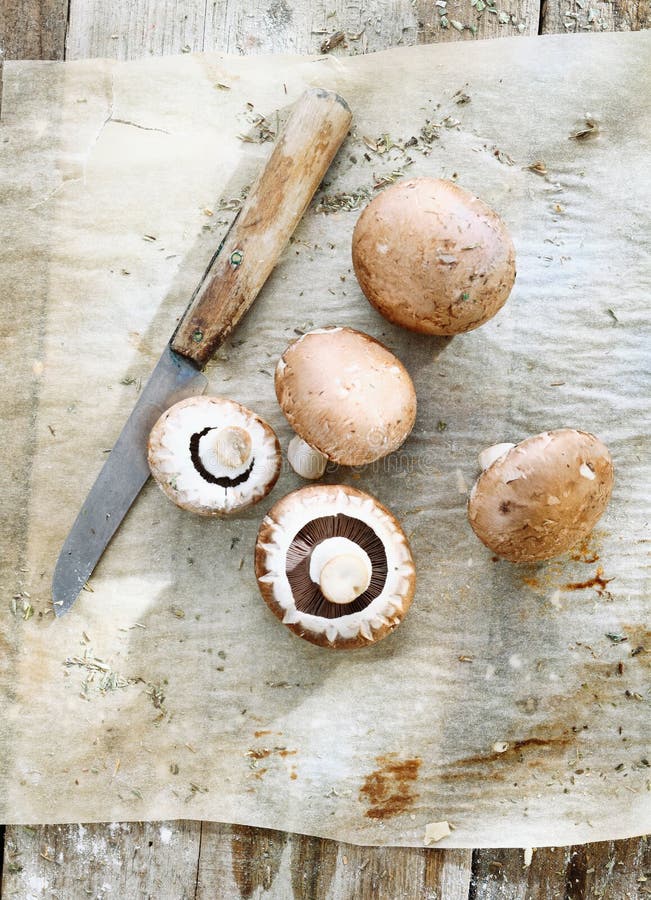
pixel 513 702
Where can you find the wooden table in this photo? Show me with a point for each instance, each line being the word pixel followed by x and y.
pixel 173 860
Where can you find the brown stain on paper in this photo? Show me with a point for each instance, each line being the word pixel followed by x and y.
pixel 389 789
pixel 585 551
pixel 528 750
pixel 597 581
pixel 531 582
pixel 259 753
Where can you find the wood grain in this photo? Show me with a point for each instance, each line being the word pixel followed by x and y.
pixel 467 20
pixel 125 29
pixel 609 870
pixel 568 16
pixel 183 860
pixel 131 860
pixel 302 153
pixel 33 29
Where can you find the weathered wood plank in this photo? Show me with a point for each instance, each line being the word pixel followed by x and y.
pixel 469 19
pixel 256 863
pixel 33 29
pixel 610 870
pixel 126 29
pixel 504 874
pixel 302 26
pixel 156 860
pixel 561 16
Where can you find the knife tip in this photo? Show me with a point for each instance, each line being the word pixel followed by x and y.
pixel 64 593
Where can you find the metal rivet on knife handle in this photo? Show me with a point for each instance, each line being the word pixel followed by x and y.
pixel 300 158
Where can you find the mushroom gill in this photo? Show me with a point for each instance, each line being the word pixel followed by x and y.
pixel 334 566
pixel 224 481
pixel 308 596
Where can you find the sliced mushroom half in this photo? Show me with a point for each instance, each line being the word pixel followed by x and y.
pixel 334 565
pixel 213 456
pixel 537 499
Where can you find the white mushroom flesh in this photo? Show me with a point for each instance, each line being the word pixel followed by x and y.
pixel 196 481
pixel 306 461
pixel 488 456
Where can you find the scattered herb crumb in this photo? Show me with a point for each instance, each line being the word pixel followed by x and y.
pixel 333 41
pixel 346 201
pixel 590 129
pixel 538 167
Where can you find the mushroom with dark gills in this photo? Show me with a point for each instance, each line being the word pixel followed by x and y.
pixel 213 456
pixel 432 257
pixel 536 499
pixel 334 565
pixel 346 396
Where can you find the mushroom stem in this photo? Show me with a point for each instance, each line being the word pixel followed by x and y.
pixel 341 568
pixel 344 578
pixel 488 456
pixel 306 461
pixel 232 446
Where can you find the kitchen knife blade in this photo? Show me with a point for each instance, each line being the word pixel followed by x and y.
pixel 121 478
pixel 300 158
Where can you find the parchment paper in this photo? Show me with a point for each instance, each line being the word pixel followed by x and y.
pixel 508 704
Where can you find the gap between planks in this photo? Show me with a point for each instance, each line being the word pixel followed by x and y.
pixel 127 29
pixel 188 860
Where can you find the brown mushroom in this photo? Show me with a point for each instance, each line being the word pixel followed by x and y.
pixel 432 257
pixel 537 499
pixel 346 395
pixel 334 565
pixel 213 456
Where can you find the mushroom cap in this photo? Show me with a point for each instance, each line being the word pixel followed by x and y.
pixel 432 257
pixel 201 471
pixel 346 394
pixel 540 498
pixel 300 523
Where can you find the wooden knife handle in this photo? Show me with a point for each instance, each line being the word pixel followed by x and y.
pixel 299 160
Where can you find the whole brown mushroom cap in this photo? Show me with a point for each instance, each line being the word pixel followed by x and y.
pixel 346 394
pixel 538 499
pixel 432 257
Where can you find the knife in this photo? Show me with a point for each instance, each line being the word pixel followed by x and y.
pixel 303 151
